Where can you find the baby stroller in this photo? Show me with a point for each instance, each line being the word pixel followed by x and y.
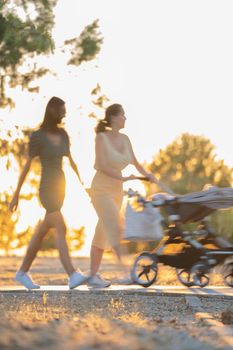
pixel 192 253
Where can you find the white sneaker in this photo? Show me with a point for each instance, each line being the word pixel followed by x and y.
pixel 98 282
pixel 76 279
pixel 25 279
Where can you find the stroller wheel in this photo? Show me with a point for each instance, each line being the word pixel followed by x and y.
pixel 198 274
pixel 144 271
pixel 184 277
pixel 228 274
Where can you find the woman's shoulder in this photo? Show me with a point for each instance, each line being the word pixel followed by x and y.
pixel 64 134
pixel 62 131
pixel 35 134
pixel 125 137
pixel 35 143
pixel 104 135
pixel 100 135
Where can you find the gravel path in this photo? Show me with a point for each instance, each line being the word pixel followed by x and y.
pixel 101 321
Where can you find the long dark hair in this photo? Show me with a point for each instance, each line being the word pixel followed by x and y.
pixel 50 123
pixel 112 110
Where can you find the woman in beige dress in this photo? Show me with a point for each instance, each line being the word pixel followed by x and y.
pixel 113 153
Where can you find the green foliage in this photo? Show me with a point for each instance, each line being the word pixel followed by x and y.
pixel 25 33
pixel 14 146
pixel 222 222
pixel 100 100
pixel 9 239
pixel 75 239
pixel 87 45
pixel 14 142
pixel 26 36
pixel 23 38
pixel 189 163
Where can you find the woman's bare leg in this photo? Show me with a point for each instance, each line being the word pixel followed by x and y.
pixel 56 220
pixel 120 252
pixel 34 244
pixel 96 257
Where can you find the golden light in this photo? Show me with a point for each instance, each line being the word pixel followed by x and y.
pixel 166 88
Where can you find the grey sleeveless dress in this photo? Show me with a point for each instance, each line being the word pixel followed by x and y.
pixel 52 183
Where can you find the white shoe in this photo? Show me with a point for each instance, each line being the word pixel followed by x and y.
pixel 98 281
pixel 76 279
pixel 25 279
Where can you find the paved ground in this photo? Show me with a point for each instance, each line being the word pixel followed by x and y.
pixel 165 316
pixel 210 291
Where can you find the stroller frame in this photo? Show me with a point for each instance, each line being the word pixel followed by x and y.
pixel 202 249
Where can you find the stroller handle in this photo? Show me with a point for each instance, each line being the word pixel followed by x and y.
pixel 163 187
pixel 142 178
pixel 159 200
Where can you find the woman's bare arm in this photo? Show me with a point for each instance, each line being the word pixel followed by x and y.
pixel 135 162
pixel 75 168
pixel 15 199
pixel 151 177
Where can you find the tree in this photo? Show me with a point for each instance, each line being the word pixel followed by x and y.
pixel 13 149
pixel 26 36
pixel 189 163
pixel 99 102
pixel 86 46
pixel 75 240
pixel 23 39
pixel 9 239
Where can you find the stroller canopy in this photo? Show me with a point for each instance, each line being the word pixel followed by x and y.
pixel 195 206
pixel 213 197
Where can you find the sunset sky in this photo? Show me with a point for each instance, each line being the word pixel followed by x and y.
pixel 169 63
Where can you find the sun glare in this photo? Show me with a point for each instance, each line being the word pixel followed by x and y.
pixel 166 88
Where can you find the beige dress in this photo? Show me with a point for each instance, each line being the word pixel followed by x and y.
pixel 107 195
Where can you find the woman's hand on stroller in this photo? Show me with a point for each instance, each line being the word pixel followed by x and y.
pixel 130 177
pixel 151 178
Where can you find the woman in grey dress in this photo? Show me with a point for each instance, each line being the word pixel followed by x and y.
pixel 50 143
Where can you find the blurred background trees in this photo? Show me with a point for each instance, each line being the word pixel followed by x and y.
pixel 186 165
pixel 25 36
pixel 75 240
pixel 9 238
